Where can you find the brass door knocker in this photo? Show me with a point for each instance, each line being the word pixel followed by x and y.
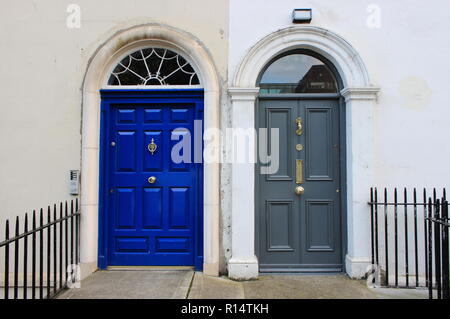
pixel 152 147
pixel 299 129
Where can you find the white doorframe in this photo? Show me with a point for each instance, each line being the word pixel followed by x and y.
pixel 97 71
pixel 360 96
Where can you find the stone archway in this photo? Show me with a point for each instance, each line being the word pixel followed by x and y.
pixel 360 96
pixel 97 70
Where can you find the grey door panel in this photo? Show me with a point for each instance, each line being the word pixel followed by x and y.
pixel 300 231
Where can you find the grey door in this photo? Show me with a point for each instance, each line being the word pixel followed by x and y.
pixel 300 232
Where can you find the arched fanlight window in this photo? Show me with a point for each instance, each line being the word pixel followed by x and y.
pixel 153 66
pixel 297 73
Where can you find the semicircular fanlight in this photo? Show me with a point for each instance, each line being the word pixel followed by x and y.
pixel 153 66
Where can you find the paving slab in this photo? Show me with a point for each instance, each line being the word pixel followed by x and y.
pixel 307 287
pixel 133 284
pixel 206 287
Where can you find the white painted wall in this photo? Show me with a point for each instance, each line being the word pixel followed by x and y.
pixel 407 58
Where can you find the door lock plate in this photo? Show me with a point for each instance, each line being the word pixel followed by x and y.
pixel 298 171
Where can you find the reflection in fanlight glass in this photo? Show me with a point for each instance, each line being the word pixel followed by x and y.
pixel 297 73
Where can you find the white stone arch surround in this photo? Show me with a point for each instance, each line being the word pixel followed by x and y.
pixel 98 69
pixel 360 97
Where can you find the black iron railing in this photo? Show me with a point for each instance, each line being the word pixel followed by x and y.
pixel 438 249
pixel 44 255
pixel 407 248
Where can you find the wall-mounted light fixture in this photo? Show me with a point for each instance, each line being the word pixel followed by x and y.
pixel 301 15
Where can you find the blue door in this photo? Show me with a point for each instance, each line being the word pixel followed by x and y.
pixel 152 209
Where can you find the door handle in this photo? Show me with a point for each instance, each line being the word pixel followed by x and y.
pixel 299 129
pixel 299 190
pixel 152 179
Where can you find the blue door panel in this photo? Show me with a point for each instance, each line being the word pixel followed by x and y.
pixel 125 158
pixel 125 201
pixel 152 210
pixel 143 223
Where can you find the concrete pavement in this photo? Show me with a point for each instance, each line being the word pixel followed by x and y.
pixel 187 284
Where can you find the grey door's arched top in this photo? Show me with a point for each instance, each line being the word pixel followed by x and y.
pixel 153 66
pixel 297 72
